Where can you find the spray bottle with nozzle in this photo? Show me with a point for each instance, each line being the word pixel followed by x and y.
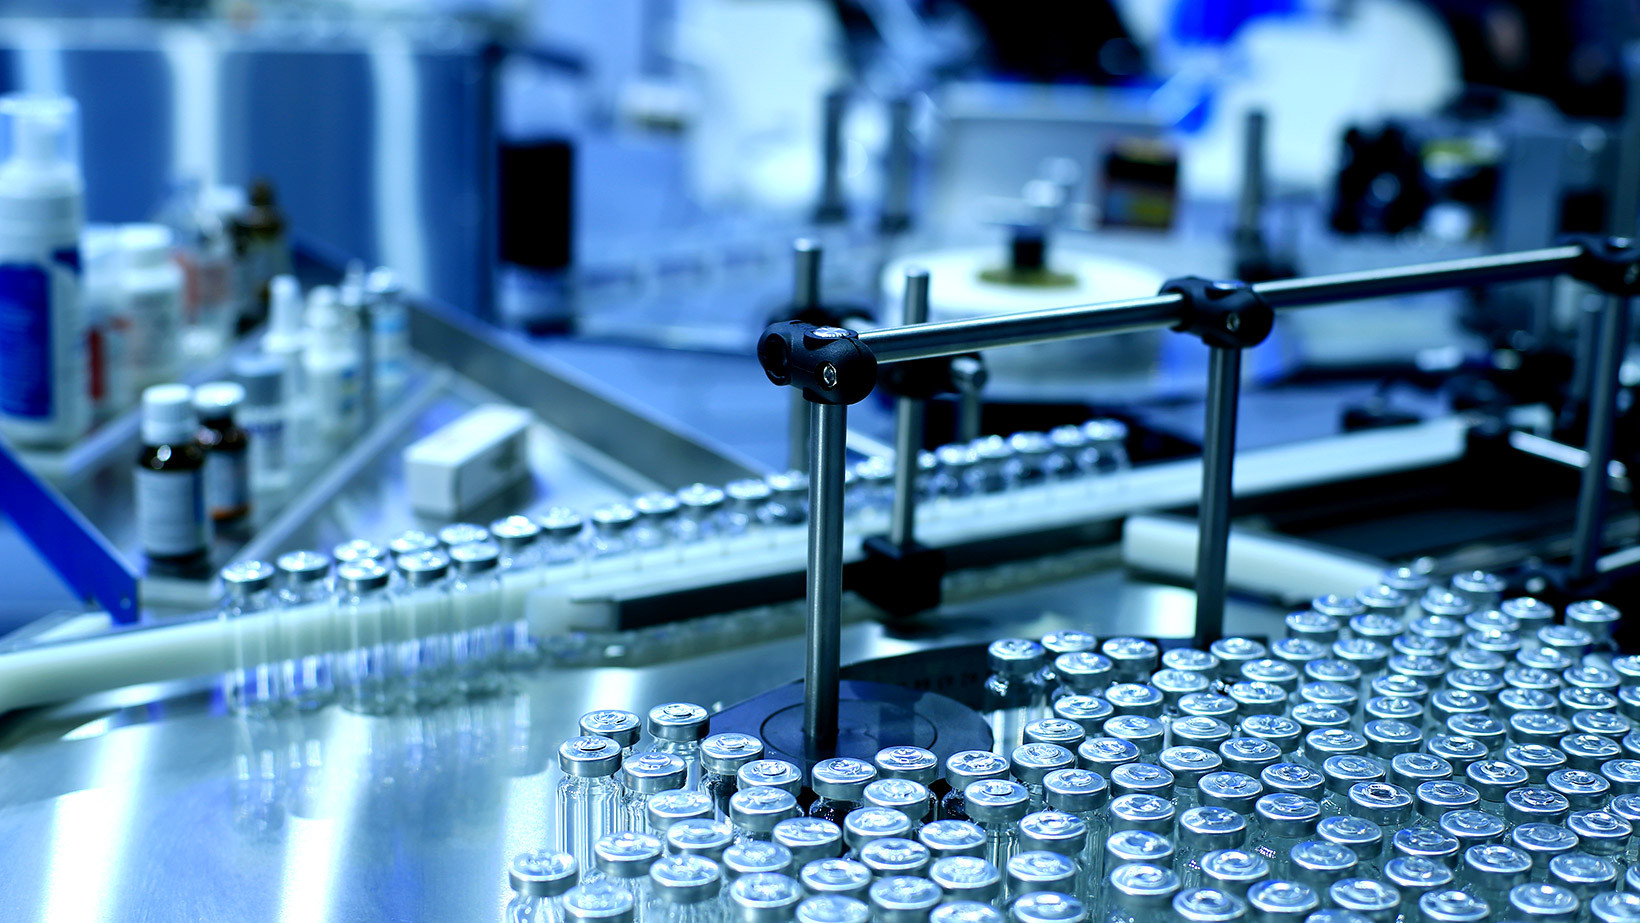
pixel 43 383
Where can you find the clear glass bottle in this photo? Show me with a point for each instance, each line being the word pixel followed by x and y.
pixel 1583 874
pixel 1490 870
pixel 754 812
pixel 641 776
pixel 891 856
pixel 953 838
pixel 1414 877
pixel 611 530
pixel 664 809
pixel 839 783
pixel 1031 763
pixel 836 908
pixel 586 800
pixel 747 508
pixel 599 900
pixel 1139 893
pixel 1278 901
pixel 844 877
pixel 367 666
pixel 1318 863
pixel 1233 870
pixel 677 728
pixel 1602 834
pixel 1383 803
pixel 1202 830
pixel 863 825
pixel 721 756
pixel 1012 691
pixel 539 880
pixel 1082 673
pixel 964 768
pixel 478 636
pixel 656 524
pixel 304 582
pixel 808 839
pixel 1282 821
pixel 1542 842
pixel 1188 765
pixel 1055 832
pixel 519 538
pixel 700 514
pixel 1038 871
pixel 1048 907
pixel 700 836
pixel 912 799
pixel 1342 773
pixel 562 539
pixel 966 878
pixel 625 859
pixel 421 645
pixel 903 899
pixel 766 898
pixel 789 495
pixel 997 806
pixel 686 890
pixel 1084 795
pixel 1054 645
pixel 254 679
pixel 1363 837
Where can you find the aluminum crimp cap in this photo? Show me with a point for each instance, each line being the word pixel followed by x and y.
pixel 1287 815
pixel 1249 755
pixel 652 772
pixel 1135 699
pixel 1453 907
pixel 765 897
pixel 895 856
pixel 953 838
pixel 362 577
pixel 1084 671
pixel 422 568
pixel 1193 660
pixel 1233 790
pixel 913 763
pixel 1470 827
pixel 1542 841
pixel 759 808
pixel 1088 711
pixel 679 721
pixel 836 876
pixel 842 778
pixel 1537 759
pixel 809 839
pixel 1142 812
pixel 1040 870
pixel 243 578
pixel 475 557
pixel 1600 833
pixel 1141 779
pixel 964 912
pixel 965 767
pixel 700 836
pixel 1584 790
pixel 1068 640
pixel 1078 791
pixel 836 908
pixel 769 773
pixel 1370 898
pixel 1358 833
pixel 1048 907
pixel 1494 778
pixel 1535 805
pixel 1100 754
pixel 1410 770
pixel 589 757
pixel 913 799
pixel 863 825
pixel 515 533
pixel 1132 657
pixel 752 857
pixel 1583 873
pixel 626 855
pixel 1138 886
pixel 599 901
pixel 1347 769
pixel 1317 861
pixel 996 801
pixel 1031 763
pixel 1417 874
pixel 1201 731
pixel 1135 846
pixel 1188 764
pixel 1293 779
pixel 1015 656
pixel 966 877
pixel 1312 625
pixel 670 807
pixel 1061 732
pixel 1386 738
pixel 685 879
pixel 1282 900
pixel 543 873
pixel 623 727
pixel 1209 827
pixel 903 899
pixel 1499 866
pixel 726 753
pixel 302 567
pixel 1426 843
pixel 1053 831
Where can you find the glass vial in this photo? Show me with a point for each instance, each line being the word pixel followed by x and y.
pixel 585 802
pixel 366 661
pixel 253 682
pixel 539 880
pixel 1012 691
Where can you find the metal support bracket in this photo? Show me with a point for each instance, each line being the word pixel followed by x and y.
pixel 1229 317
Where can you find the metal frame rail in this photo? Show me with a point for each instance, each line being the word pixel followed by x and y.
pixel 832 367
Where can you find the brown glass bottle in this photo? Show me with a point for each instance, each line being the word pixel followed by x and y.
pixel 262 250
pixel 227 450
pixel 170 479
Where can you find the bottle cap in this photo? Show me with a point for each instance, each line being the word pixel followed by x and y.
pixel 168 415
pixel 1358 833
pixel 410 542
pixel 1330 742
pixel 765 898
pixel 1068 640
pixel 678 721
pixel 1535 805
pixel 1039 870
pixel 1137 846
pixel 1294 779
pixel 1410 770
pixel 840 908
pixel 1234 870
pixel 1141 886
pixel 668 808
pixel 895 856
pixel 1016 657
pixel 808 839
pixel 561 523
pixel 1248 755
pixel 618 725
pixel 756 857
pixel 514 533
pixel 300 568
pixel 1494 778
pixel 1141 779
pixel 647 773
pixel 1201 731
pixel 1101 754
pixel 1600 833
pixel 1286 815
pixel 1233 790
pixel 1453 907
pixel 953 838
pixel 1319 863
pixel 1469 827
pixel 656 506
pixel 965 767
pixel 475 557
pixel 1032 762
pixel 903 899
pixel 1061 732
pixel 1053 831
pixel 1346 770
pixel 1536 760
pixel 726 753
pixel 699 836
pixel 1142 812
pixel 1584 790
pixel 912 799
pixel 836 876
pixel 863 825
pixel 1366 896
pixel 626 855
pixel 1500 867
pixel 1208 827
pixel 599 901
pixel 357 549
pixel 1146 734
pixel 759 809
pixel 685 879
pixel 842 778
pixel 772 774
pixel 218 400
pixel 1188 764
pixel 613 518
pixel 995 802
pixel 422 568
pixel 913 763
pixel 1387 738
pixel 1542 841
pixel 1615 907
pixel 1048 907
pixel 1084 671
pixel 362 577
pixel 1416 874
pixel 1078 791
pixel 966 878
pixel 542 873
pixel 1426 843
pixel 1131 658
pixel 242 579
pixel 589 757
pixel 1583 873
pixel 1282 900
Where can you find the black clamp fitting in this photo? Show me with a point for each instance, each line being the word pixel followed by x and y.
pixel 1611 264
pixel 1229 315
pixel 929 378
pixel 828 364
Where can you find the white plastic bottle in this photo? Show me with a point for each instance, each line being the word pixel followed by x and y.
pixel 286 341
pixel 43 386
pixel 332 361
pixel 152 290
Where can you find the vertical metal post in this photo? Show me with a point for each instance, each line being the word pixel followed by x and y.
pixel 832 208
pixel 829 425
pixel 908 426
pixel 1218 465
pixel 1250 205
pixel 1591 496
pixel 805 297
pixel 896 215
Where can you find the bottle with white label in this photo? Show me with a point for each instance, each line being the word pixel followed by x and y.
pixel 151 285
pixel 43 385
pixel 170 476
pixel 227 450
pixel 286 342
pixel 103 311
pixel 262 415
pixel 332 363
pixel 389 332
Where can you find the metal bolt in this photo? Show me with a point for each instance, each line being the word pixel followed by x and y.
pixel 828 376
pixel 1232 323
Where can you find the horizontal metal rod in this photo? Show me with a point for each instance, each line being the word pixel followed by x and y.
pixel 950 338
